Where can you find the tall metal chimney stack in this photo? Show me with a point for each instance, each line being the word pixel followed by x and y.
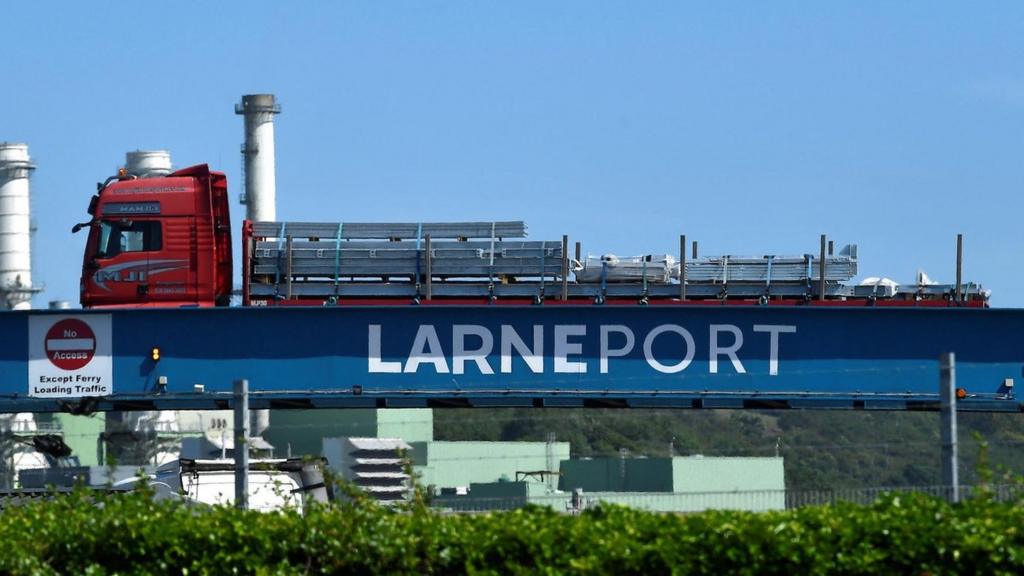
pixel 258 154
pixel 148 163
pixel 15 228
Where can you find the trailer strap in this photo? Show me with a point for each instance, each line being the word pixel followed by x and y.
pixel 490 269
pixel 337 258
pixel 277 269
pixel 543 267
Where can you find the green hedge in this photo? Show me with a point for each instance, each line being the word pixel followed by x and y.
pixel 130 534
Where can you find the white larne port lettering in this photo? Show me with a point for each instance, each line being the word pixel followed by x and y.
pixel 666 348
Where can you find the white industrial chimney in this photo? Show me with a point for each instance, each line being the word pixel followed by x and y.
pixel 148 163
pixel 15 228
pixel 258 154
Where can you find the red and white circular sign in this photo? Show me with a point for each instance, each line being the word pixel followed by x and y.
pixel 70 344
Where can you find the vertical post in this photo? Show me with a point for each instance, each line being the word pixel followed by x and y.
pixel 549 449
pixel 821 270
pixel 241 444
pixel 430 273
pixel 959 266
pixel 682 267
pixel 694 249
pixel 565 268
pixel 579 251
pixel 830 248
pixel 288 292
pixel 947 411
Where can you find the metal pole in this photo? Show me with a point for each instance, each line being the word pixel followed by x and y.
pixel 682 267
pixel 289 248
pixel 579 251
pixel 821 270
pixel 242 444
pixel 565 268
pixel 430 274
pixel 694 249
pixel 947 411
pixel 959 265
pixel 830 248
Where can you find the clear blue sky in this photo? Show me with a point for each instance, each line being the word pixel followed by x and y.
pixel 752 127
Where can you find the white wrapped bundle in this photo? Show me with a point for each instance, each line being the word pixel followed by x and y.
pixel 657 268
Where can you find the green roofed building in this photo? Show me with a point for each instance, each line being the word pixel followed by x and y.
pixel 680 474
pixel 459 464
pixel 684 484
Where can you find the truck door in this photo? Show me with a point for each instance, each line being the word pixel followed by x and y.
pixel 123 259
pixel 171 279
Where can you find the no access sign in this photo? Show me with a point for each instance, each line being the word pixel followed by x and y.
pixel 70 344
pixel 69 356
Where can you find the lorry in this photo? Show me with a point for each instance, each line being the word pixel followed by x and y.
pixel 165 241
pixel 274 484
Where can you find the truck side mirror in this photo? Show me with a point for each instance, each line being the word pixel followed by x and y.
pixel 77 227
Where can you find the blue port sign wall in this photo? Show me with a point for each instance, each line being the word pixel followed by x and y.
pixel 403 356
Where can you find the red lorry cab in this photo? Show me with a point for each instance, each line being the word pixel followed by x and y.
pixel 163 241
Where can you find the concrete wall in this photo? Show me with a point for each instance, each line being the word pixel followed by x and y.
pixel 699 474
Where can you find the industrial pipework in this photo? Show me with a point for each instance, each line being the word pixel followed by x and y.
pixel 16 288
pixel 258 154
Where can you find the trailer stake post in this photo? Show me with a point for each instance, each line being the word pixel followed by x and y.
pixel 682 267
pixel 959 266
pixel 821 270
pixel 288 292
pixel 565 267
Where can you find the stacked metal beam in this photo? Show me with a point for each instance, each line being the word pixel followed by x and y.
pixel 367 259
pixel 772 269
pixel 365 250
pixel 720 269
